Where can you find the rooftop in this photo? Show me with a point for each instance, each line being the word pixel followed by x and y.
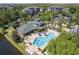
pixel 26 28
pixel 29 27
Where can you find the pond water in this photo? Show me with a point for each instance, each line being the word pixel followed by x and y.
pixel 6 48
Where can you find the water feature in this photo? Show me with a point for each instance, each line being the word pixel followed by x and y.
pixel 40 41
pixel 6 48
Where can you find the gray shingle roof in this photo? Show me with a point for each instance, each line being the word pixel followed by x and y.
pixel 29 27
pixel 26 28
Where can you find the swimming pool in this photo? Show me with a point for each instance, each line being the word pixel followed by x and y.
pixel 40 41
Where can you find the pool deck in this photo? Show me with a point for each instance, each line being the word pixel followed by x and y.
pixel 29 42
pixel 51 31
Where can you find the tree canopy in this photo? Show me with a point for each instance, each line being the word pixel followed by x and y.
pixel 66 44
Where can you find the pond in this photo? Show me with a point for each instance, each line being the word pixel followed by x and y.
pixel 6 48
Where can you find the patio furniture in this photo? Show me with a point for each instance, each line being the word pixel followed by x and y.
pixel 30 50
pixel 39 49
pixel 45 34
pixel 30 43
pixel 27 45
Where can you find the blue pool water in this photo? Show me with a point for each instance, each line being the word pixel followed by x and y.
pixel 40 41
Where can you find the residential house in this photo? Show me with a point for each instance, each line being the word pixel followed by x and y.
pixel 57 17
pixel 43 9
pixel 66 10
pixel 6 7
pixel 28 11
pixel 57 9
pixel 37 9
pixel 57 21
pixel 31 10
pixel 49 9
pixel 75 29
pixel 67 18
